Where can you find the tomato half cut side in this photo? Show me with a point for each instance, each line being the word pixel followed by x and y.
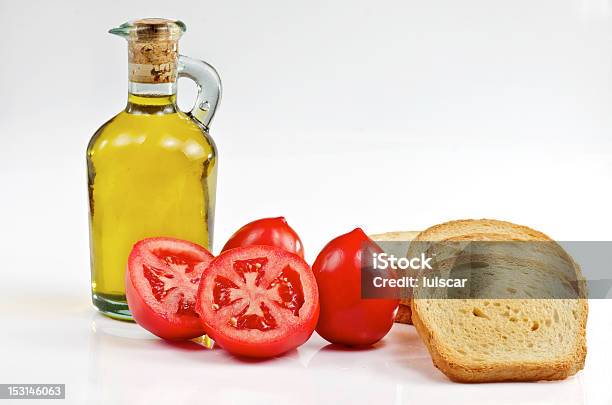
pixel 162 279
pixel 258 301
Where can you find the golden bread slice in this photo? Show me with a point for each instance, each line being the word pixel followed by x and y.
pixel 503 339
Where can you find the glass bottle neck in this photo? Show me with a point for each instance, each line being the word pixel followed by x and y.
pixel 152 89
pixel 146 98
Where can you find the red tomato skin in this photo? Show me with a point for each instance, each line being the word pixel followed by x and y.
pixel 345 317
pixel 252 348
pixel 152 321
pixel 269 232
pixel 156 323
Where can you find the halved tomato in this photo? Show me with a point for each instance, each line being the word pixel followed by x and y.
pixel 162 279
pixel 258 301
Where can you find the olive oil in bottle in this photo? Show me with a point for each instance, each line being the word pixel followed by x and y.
pixel 151 168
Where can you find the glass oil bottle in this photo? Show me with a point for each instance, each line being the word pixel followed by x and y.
pixel 152 168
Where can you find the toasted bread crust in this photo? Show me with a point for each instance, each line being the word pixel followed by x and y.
pixel 481 226
pixel 404 314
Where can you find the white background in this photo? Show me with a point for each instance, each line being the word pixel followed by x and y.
pixel 389 115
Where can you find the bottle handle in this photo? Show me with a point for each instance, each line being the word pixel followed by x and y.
pixel 209 88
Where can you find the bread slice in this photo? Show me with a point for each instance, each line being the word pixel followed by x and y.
pixel 404 314
pixel 398 236
pixel 486 340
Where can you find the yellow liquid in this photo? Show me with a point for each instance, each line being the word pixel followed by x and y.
pixel 151 172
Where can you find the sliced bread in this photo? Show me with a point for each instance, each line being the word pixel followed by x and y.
pixel 495 339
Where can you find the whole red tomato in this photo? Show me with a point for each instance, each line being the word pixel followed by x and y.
pixel 269 232
pixel 345 318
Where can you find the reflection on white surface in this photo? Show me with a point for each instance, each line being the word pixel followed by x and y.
pixel 143 370
pixel 50 339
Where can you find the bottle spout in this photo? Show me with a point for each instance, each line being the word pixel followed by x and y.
pixel 123 30
pixel 150 28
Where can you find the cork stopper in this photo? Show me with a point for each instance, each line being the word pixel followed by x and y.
pixel 152 49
